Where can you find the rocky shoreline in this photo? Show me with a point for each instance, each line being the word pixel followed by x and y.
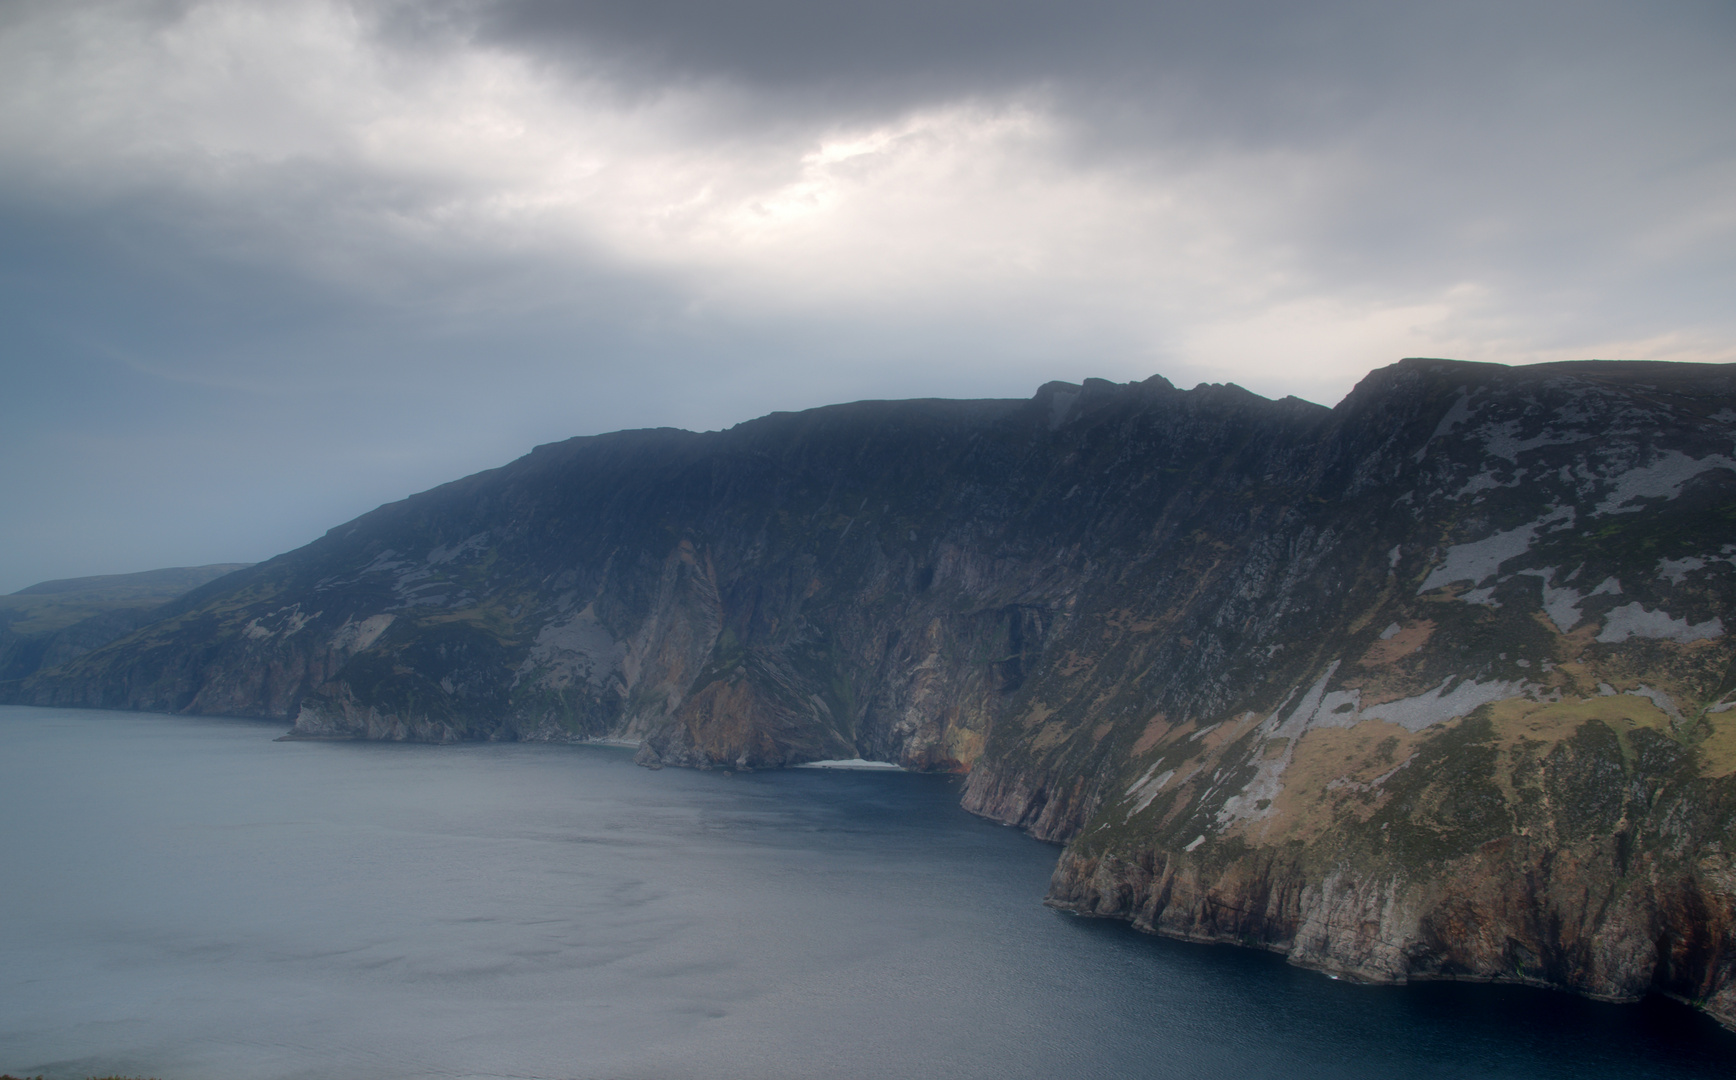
pixel 1434 684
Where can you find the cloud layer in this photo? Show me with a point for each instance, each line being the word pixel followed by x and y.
pixel 351 250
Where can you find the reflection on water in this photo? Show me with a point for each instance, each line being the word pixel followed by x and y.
pixel 188 899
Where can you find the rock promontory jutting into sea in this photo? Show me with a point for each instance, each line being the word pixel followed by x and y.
pixel 1436 683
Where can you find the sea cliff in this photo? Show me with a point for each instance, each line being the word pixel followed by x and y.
pixel 1436 683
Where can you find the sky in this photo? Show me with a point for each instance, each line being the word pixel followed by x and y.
pixel 264 266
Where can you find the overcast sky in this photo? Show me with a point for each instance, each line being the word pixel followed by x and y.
pixel 266 266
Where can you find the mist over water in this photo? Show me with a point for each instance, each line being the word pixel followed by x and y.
pixel 188 899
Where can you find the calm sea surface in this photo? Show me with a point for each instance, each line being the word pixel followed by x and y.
pixel 188 899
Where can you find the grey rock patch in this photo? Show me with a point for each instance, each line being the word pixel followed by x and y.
pixel 1663 478
pixel 1426 710
pixel 1677 570
pixel 1635 620
pixel 1660 699
pixel 447 553
pixel 353 637
pixel 580 648
pixel 1479 560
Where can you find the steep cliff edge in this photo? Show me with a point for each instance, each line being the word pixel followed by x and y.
pixel 1432 684
pixel 1510 751
pixel 51 622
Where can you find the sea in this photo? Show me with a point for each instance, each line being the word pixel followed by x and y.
pixel 189 899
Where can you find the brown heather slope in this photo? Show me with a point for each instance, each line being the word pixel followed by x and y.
pixel 1432 684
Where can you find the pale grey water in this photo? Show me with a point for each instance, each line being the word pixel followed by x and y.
pixel 188 899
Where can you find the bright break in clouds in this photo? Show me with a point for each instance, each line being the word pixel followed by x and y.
pixel 270 264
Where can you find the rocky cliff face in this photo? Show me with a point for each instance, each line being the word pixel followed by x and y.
pixel 50 623
pixel 1430 684
pixel 1506 751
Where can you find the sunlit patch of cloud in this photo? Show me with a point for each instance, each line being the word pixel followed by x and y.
pixel 364 222
pixel 296 134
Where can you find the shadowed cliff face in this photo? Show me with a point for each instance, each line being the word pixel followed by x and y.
pixel 50 623
pixel 1431 684
pixel 879 579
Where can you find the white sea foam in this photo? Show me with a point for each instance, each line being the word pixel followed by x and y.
pixel 850 763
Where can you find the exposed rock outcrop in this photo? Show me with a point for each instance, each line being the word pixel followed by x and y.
pixel 1437 683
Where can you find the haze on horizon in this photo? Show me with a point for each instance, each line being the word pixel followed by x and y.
pixel 267 266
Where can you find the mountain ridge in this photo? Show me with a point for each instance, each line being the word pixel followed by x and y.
pixel 1431 684
pixel 47 624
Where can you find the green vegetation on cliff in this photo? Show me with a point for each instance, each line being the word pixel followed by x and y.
pixel 1436 683
pixel 48 624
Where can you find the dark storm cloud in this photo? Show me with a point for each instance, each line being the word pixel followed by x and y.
pixel 1485 138
pixel 267 264
pixel 1265 68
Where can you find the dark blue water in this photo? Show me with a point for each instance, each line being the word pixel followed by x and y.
pixel 188 899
